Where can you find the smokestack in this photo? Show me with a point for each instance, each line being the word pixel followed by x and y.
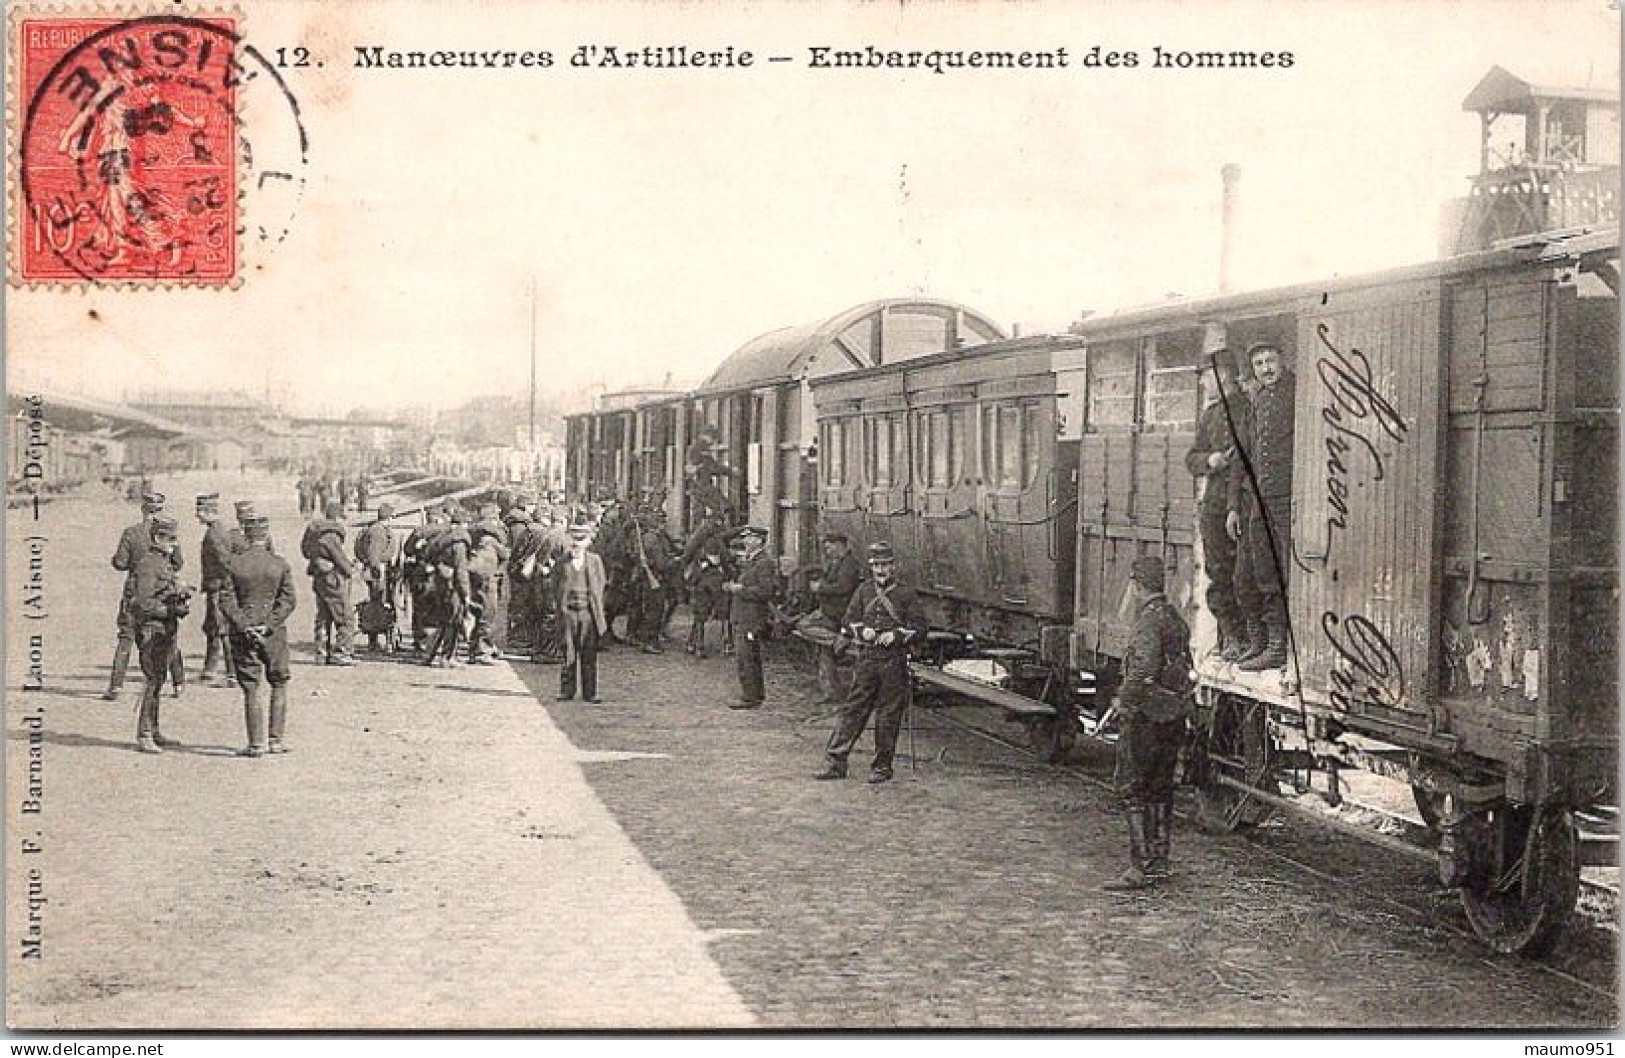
pixel 1015 330
pixel 1227 227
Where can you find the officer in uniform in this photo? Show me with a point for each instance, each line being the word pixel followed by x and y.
pixel 751 609
pixel 133 543
pixel 884 617
pixel 330 570
pixel 1212 460
pixel 1260 519
pixel 214 560
pixel 156 605
pixel 257 602
pixel 1153 702
pixel 578 596
pixel 376 551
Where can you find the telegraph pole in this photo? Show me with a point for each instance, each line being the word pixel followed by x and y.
pixel 533 367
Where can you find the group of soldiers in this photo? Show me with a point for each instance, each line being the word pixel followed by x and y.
pixel 248 596
pixel 318 489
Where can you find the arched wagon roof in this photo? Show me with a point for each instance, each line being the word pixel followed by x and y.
pixel 866 335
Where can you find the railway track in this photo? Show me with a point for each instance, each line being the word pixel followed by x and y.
pixel 1424 910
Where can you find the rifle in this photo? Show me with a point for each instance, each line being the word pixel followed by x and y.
pixel 643 556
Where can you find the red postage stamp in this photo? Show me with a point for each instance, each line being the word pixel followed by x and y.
pixel 127 155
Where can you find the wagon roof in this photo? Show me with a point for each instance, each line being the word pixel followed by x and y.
pixel 1504 91
pixel 782 355
pixel 1547 247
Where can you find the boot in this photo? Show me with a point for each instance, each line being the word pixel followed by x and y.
pixel 1255 642
pixel 121 667
pixel 279 718
pixel 1159 830
pixel 1273 656
pixel 1135 876
pixel 211 660
pixel 254 719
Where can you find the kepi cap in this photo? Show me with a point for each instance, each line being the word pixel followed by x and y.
pixel 164 524
pixel 152 502
pixel 881 551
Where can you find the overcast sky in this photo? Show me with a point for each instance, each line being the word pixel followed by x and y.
pixel 668 217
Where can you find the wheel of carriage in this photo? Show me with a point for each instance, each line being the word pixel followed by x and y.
pixel 1237 746
pixel 1521 908
pixel 1430 804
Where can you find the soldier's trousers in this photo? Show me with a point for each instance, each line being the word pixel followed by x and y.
pixel 126 645
pixel 156 644
pixel 333 615
pixel 648 612
pixel 580 635
pixel 217 648
pixel 1227 598
pixel 748 660
pixel 879 687
pixel 1263 572
pixel 265 662
pixel 1147 756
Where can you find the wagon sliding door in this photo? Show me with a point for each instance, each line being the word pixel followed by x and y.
pixel 945 477
pixel 1363 583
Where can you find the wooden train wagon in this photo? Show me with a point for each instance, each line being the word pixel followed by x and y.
pixel 966 463
pixel 1453 580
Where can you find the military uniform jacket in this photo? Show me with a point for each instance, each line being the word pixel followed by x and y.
pixel 1268 437
pixel 1213 434
pixel 259 591
pixel 835 588
pixel 1157 664
pixel 237 541
pixel 133 544
pixel 753 603
pixel 154 583
pixel 214 559
pixel 869 609
pixel 330 545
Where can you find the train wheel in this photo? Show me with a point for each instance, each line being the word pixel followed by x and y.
pixel 1237 746
pixel 1521 909
pixel 1430 805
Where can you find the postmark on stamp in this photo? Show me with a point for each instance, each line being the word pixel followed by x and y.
pixel 141 155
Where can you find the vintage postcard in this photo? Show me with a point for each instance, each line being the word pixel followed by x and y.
pixel 542 515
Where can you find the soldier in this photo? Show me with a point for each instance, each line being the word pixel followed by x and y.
pixel 551 545
pixel 257 602
pixel 214 560
pixel 1212 459
pixel 376 551
pixel 707 570
pixel 1260 514
pixel 417 558
pixel 486 563
pixel 363 489
pixel 307 495
pixel 133 543
pixel 450 557
pixel 751 602
pixel 704 472
pixel 578 595
pixel 833 589
pixel 884 617
pixel 156 605
pixel 648 581
pixel 1155 698
pixel 330 570
pixel 524 539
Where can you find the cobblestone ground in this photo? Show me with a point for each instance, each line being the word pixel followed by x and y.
pixel 455 848
pixel 428 854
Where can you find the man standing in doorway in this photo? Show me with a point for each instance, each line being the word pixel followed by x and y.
pixel 1260 514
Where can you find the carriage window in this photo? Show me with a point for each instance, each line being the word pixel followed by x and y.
pixel 897 426
pixel 832 453
pixel 1032 444
pixel 1170 383
pixel 880 462
pixel 1010 446
pixel 958 444
pixel 990 441
pixel 941 451
pixel 1111 385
